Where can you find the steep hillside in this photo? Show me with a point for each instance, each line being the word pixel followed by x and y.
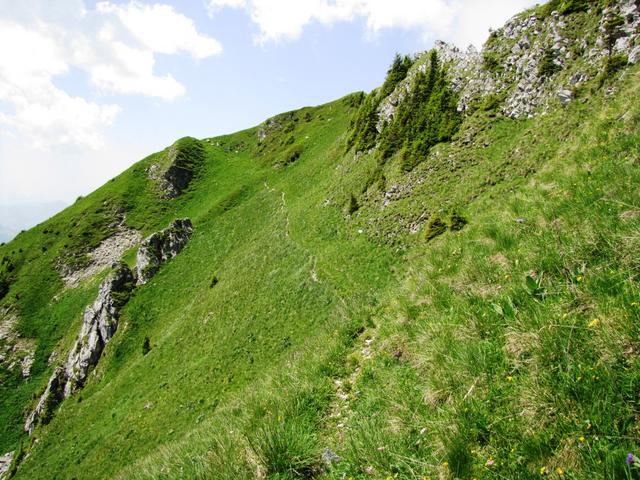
pixel 438 279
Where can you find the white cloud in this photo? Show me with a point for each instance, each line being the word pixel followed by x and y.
pixel 43 113
pixel 215 5
pixel 161 29
pixel 114 44
pixel 461 21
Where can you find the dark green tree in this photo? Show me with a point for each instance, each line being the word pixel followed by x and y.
pixel 396 73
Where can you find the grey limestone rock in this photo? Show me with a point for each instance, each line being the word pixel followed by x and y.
pixel 517 50
pixel 178 166
pixel 5 463
pixel 160 247
pixel 99 324
pixel 100 321
pixel 52 396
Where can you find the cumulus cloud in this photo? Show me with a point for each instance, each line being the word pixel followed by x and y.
pixel 160 29
pixel 114 44
pixel 461 21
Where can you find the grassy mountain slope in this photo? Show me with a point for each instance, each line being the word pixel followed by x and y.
pixel 324 303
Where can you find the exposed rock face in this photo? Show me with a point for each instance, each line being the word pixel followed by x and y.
pixel 509 66
pixel 108 252
pixel 160 247
pixel 178 166
pixel 99 324
pixel 100 320
pixel 268 127
pixel 5 463
pixel 52 396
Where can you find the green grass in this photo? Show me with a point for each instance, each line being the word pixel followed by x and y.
pixel 482 323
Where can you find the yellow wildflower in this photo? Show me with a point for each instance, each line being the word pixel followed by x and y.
pixel 543 470
pixel 581 439
pixel 560 471
pixel 510 378
pixel 593 323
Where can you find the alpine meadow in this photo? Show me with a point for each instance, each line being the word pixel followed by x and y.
pixel 439 279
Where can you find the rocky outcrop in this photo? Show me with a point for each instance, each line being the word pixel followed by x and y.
pixel 103 256
pixel 178 166
pixel 99 324
pixel 5 463
pixel 160 247
pixel 100 321
pixel 52 396
pixel 511 65
pixel 619 31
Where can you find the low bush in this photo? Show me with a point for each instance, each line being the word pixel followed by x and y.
pixel 491 62
pixel 548 66
pixel 291 155
pixel 614 64
pixel 436 226
pixel 352 205
pixel 146 346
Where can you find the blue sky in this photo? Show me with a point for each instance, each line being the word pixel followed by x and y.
pixel 89 87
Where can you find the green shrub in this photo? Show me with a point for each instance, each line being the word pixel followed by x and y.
pixel 566 7
pixel 491 102
pixel 455 221
pixel 436 226
pixel 614 64
pixel 5 284
pixel 352 205
pixel 291 155
pixel 548 67
pixel 354 100
pixel 492 63
pixel 146 346
pixel 377 178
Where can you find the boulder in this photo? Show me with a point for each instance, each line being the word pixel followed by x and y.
pixel 160 247
pixel 565 96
